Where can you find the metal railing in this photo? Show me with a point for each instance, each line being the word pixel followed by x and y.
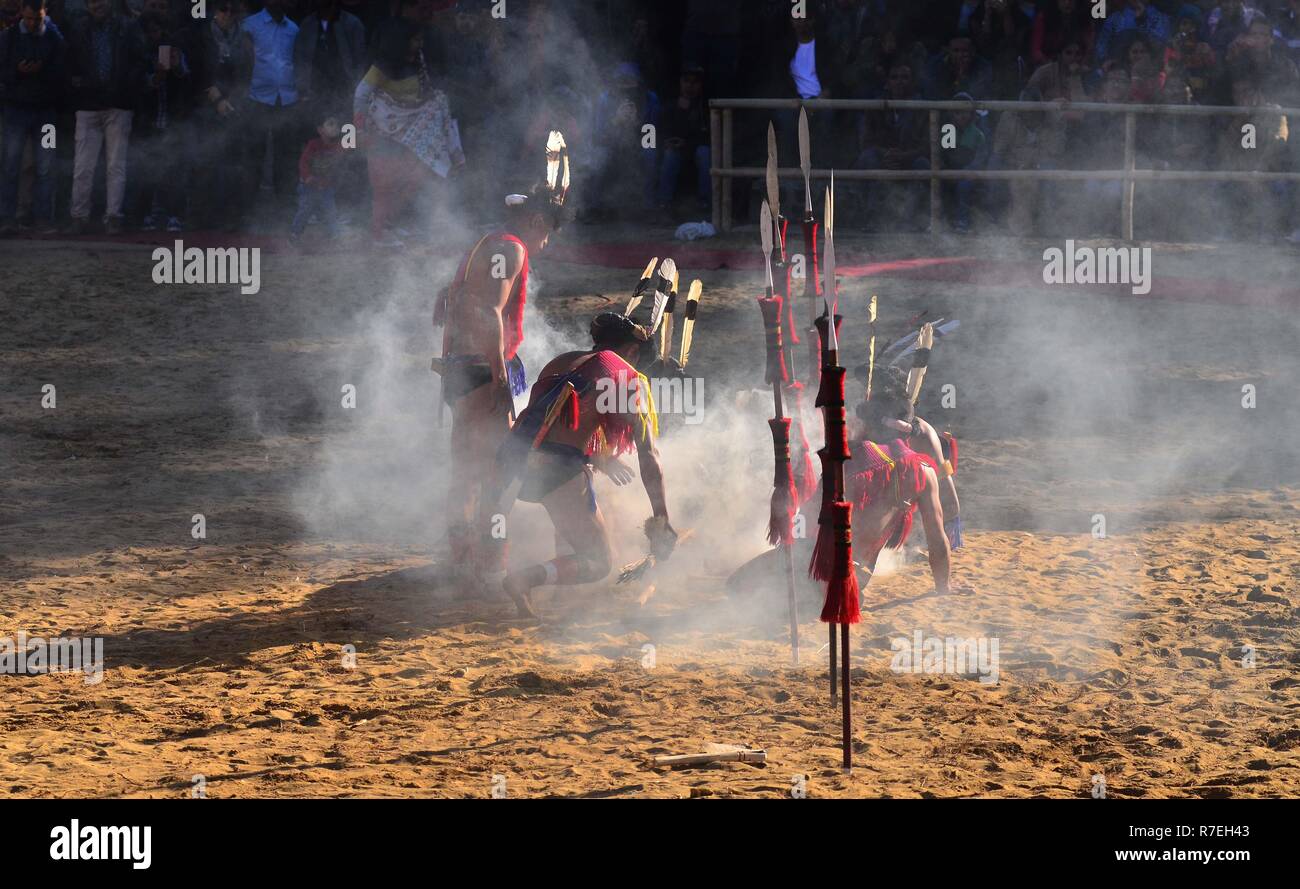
pixel 722 138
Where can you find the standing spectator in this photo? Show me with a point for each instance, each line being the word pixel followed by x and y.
pixel 411 140
pixel 1137 15
pixel 31 77
pixel 318 175
pixel 330 59
pixel 107 65
pixel 163 138
pixel 272 95
pixel 222 80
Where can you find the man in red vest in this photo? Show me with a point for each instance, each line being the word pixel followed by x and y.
pixel 482 314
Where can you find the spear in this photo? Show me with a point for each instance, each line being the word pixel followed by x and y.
pixel 806 476
pixel 841 605
pixel 781 269
pixel 811 283
pixel 780 530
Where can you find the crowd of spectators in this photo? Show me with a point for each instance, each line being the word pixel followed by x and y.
pixel 235 114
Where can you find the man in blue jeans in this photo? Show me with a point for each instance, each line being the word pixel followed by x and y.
pixel 31 74
pixel 272 98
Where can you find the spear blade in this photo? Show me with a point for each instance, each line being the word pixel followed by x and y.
pixel 773 182
pixel 765 234
pixel 805 160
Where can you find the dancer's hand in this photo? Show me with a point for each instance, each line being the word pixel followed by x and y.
pixel 618 471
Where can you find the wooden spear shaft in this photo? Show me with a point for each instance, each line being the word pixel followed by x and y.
pixel 792 602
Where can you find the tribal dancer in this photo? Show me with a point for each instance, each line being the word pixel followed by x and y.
pixel 585 408
pixel 482 314
pixel 888 482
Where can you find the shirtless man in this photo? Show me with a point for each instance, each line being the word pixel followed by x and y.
pixel 586 407
pixel 482 313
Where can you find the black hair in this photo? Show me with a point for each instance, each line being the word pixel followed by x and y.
pixel 609 330
pixel 393 48
pixel 889 401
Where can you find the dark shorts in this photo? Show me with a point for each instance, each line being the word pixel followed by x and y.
pixel 551 465
pixel 462 374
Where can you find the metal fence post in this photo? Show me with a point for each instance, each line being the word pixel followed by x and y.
pixel 936 198
pixel 728 146
pixel 715 158
pixel 1129 184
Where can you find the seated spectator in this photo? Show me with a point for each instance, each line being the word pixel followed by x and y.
pixel 970 153
pixel 318 180
pixel 106 64
pixel 1146 74
pixel 624 162
pixel 1191 60
pixel 1002 37
pixel 1254 209
pixel 1040 141
pixel 895 140
pixel 1060 22
pixel 1136 15
pixel 1276 74
pixel 31 78
pixel 958 70
pixel 1227 22
pixel 686 139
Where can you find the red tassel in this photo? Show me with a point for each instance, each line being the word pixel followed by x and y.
pixel 780 525
pixel 573 408
pixel 806 477
pixel 842 594
pixel 776 370
pixel 823 557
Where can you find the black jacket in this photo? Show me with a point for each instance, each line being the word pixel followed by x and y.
pixel 33 90
pixel 126 76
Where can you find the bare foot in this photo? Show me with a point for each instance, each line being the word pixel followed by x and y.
pixel 519 593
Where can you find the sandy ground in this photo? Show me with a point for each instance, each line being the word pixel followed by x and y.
pixel 225 657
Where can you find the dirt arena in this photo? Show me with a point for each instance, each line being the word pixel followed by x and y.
pixel 1123 656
